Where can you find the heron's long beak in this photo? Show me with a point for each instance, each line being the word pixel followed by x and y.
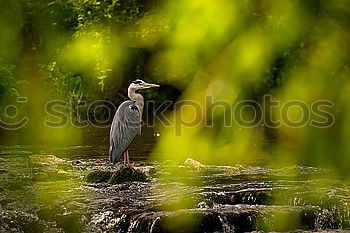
pixel 150 85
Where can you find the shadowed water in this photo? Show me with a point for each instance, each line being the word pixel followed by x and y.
pixel 42 190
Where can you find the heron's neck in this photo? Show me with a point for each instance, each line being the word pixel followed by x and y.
pixel 137 98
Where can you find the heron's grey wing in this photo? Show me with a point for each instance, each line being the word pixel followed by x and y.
pixel 126 125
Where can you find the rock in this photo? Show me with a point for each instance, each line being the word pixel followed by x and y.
pixel 46 159
pixel 127 175
pixel 177 221
pixel 193 164
pixel 76 162
pixel 256 196
pixel 148 170
pixel 122 175
pixel 98 176
pixel 238 218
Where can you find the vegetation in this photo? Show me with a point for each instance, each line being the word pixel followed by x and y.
pixel 81 51
pixel 293 51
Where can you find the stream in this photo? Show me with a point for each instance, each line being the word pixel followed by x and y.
pixel 42 190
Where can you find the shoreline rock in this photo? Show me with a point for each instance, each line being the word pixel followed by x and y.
pixel 119 176
pixel 128 174
pixel 193 164
pixel 98 176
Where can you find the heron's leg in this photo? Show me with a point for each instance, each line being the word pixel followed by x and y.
pixel 127 158
pixel 124 154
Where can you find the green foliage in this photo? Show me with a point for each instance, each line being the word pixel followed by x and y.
pixel 85 50
pixel 106 12
pixel 80 50
pixel 8 82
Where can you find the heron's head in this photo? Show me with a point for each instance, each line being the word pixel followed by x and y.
pixel 139 84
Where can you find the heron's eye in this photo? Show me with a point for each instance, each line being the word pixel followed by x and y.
pixel 138 82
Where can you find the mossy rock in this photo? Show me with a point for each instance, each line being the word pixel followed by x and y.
pixel 127 175
pixel 98 176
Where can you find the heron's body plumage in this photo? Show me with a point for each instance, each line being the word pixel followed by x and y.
pixel 125 127
pixel 127 122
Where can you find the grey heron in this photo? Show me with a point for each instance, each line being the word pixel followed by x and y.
pixel 127 122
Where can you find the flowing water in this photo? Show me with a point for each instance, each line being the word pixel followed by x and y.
pixel 42 190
